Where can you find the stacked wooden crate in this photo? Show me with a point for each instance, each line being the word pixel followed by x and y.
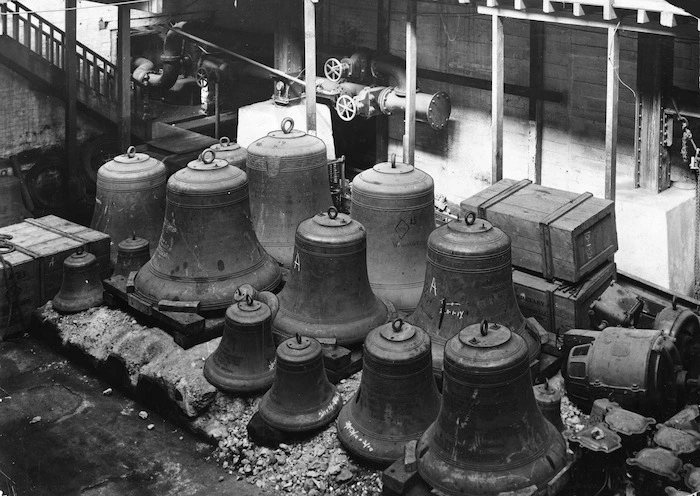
pixel 562 245
pixel 31 264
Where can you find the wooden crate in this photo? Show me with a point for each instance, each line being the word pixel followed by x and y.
pixel 559 306
pixel 35 266
pixel 556 233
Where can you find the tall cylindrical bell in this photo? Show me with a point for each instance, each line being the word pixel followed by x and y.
pixel 396 204
pixel 232 152
pixel 12 209
pixel 397 399
pixel 328 293
pixel 469 278
pixel 208 247
pixel 245 359
pixel 301 397
pixel 132 254
pixel 489 437
pixel 81 287
pixel 130 197
pixel 288 175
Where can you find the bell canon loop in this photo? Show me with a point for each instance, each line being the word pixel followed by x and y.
pixel 395 202
pixel 289 182
pixel 130 196
pixel 489 437
pixel 81 287
pixel 397 398
pixel 207 247
pixel 328 294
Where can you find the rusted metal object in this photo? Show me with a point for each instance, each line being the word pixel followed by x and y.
pixel 637 368
pixel 681 442
pixel 301 398
pixel 549 402
pixel 207 247
pixel 632 427
pixel 684 326
pixel 395 203
pixel 653 469
pixel 469 278
pixel 288 183
pixel 328 294
pixel 616 307
pixel 245 358
pixel 130 198
pixel 230 151
pixel 489 437
pixel 596 448
pixel 12 209
pixel 692 477
pixel 132 254
pixel 81 287
pixel 397 398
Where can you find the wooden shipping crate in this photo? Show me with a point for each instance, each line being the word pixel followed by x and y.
pixel 35 265
pixel 556 233
pixel 19 290
pixel 560 306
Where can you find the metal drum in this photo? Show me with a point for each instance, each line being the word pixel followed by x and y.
pixel 130 199
pixel 288 176
pixel 395 203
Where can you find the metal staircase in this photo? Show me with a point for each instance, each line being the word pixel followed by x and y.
pixel 34 48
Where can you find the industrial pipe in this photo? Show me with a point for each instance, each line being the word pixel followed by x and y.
pixel 434 109
pixel 390 67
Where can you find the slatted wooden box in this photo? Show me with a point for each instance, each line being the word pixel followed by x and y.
pixel 560 306
pixel 33 270
pixel 556 233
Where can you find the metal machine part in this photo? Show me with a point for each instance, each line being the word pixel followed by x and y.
pixel 616 307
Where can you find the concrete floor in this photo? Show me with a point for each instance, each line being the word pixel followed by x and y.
pixel 89 443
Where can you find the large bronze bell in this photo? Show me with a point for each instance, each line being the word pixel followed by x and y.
pixel 489 437
pixel 289 182
pixel 130 197
pixel 132 254
pixel 469 278
pixel 396 204
pixel 81 287
pixel 328 293
pixel 301 398
pixel 207 247
pixel 245 359
pixel 397 398
pixel 232 152
pixel 12 209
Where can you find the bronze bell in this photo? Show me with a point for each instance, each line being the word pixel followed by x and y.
pixel 130 197
pixel 233 153
pixel 328 293
pixel 81 287
pixel 489 437
pixel 396 204
pixel 245 359
pixel 548 401
pixel 207 247
pixel 301 398
pixel 469 278
pixel 289 182
pixel 12 209
pixel 398 397
pixel 132 254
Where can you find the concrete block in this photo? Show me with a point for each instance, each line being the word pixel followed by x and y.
pixel 139 347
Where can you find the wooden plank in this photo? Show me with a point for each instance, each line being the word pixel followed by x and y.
pixel 611 116
pixel 123 76
pixel 383 42
pixel 409 143
pixel 497 82
pixel 70 59
pixel 536 106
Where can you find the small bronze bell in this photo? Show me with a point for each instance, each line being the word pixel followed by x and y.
pixel 132 254
pixel 245 359
pixel 81 287
pixel 398 397
pixel 549 402
pixel 301 398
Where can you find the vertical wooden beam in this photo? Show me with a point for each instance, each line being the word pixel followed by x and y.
pixel 654 80
pixel 611 115
pixel 289 55
pixel 536 121
pixel 310 63
pixel 383 40
pixel 497 89
pixel 124 76
pixel 70 60
pixel 409 139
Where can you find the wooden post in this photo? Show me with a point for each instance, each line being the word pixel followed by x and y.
pixel 217 109
pixel 70 60
pixel 497 88
pixel 409 138
pixel 611 117
pixel 310 63
pixel 124 76
pixel 536 120
pixel 383 39
pixel 654 79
